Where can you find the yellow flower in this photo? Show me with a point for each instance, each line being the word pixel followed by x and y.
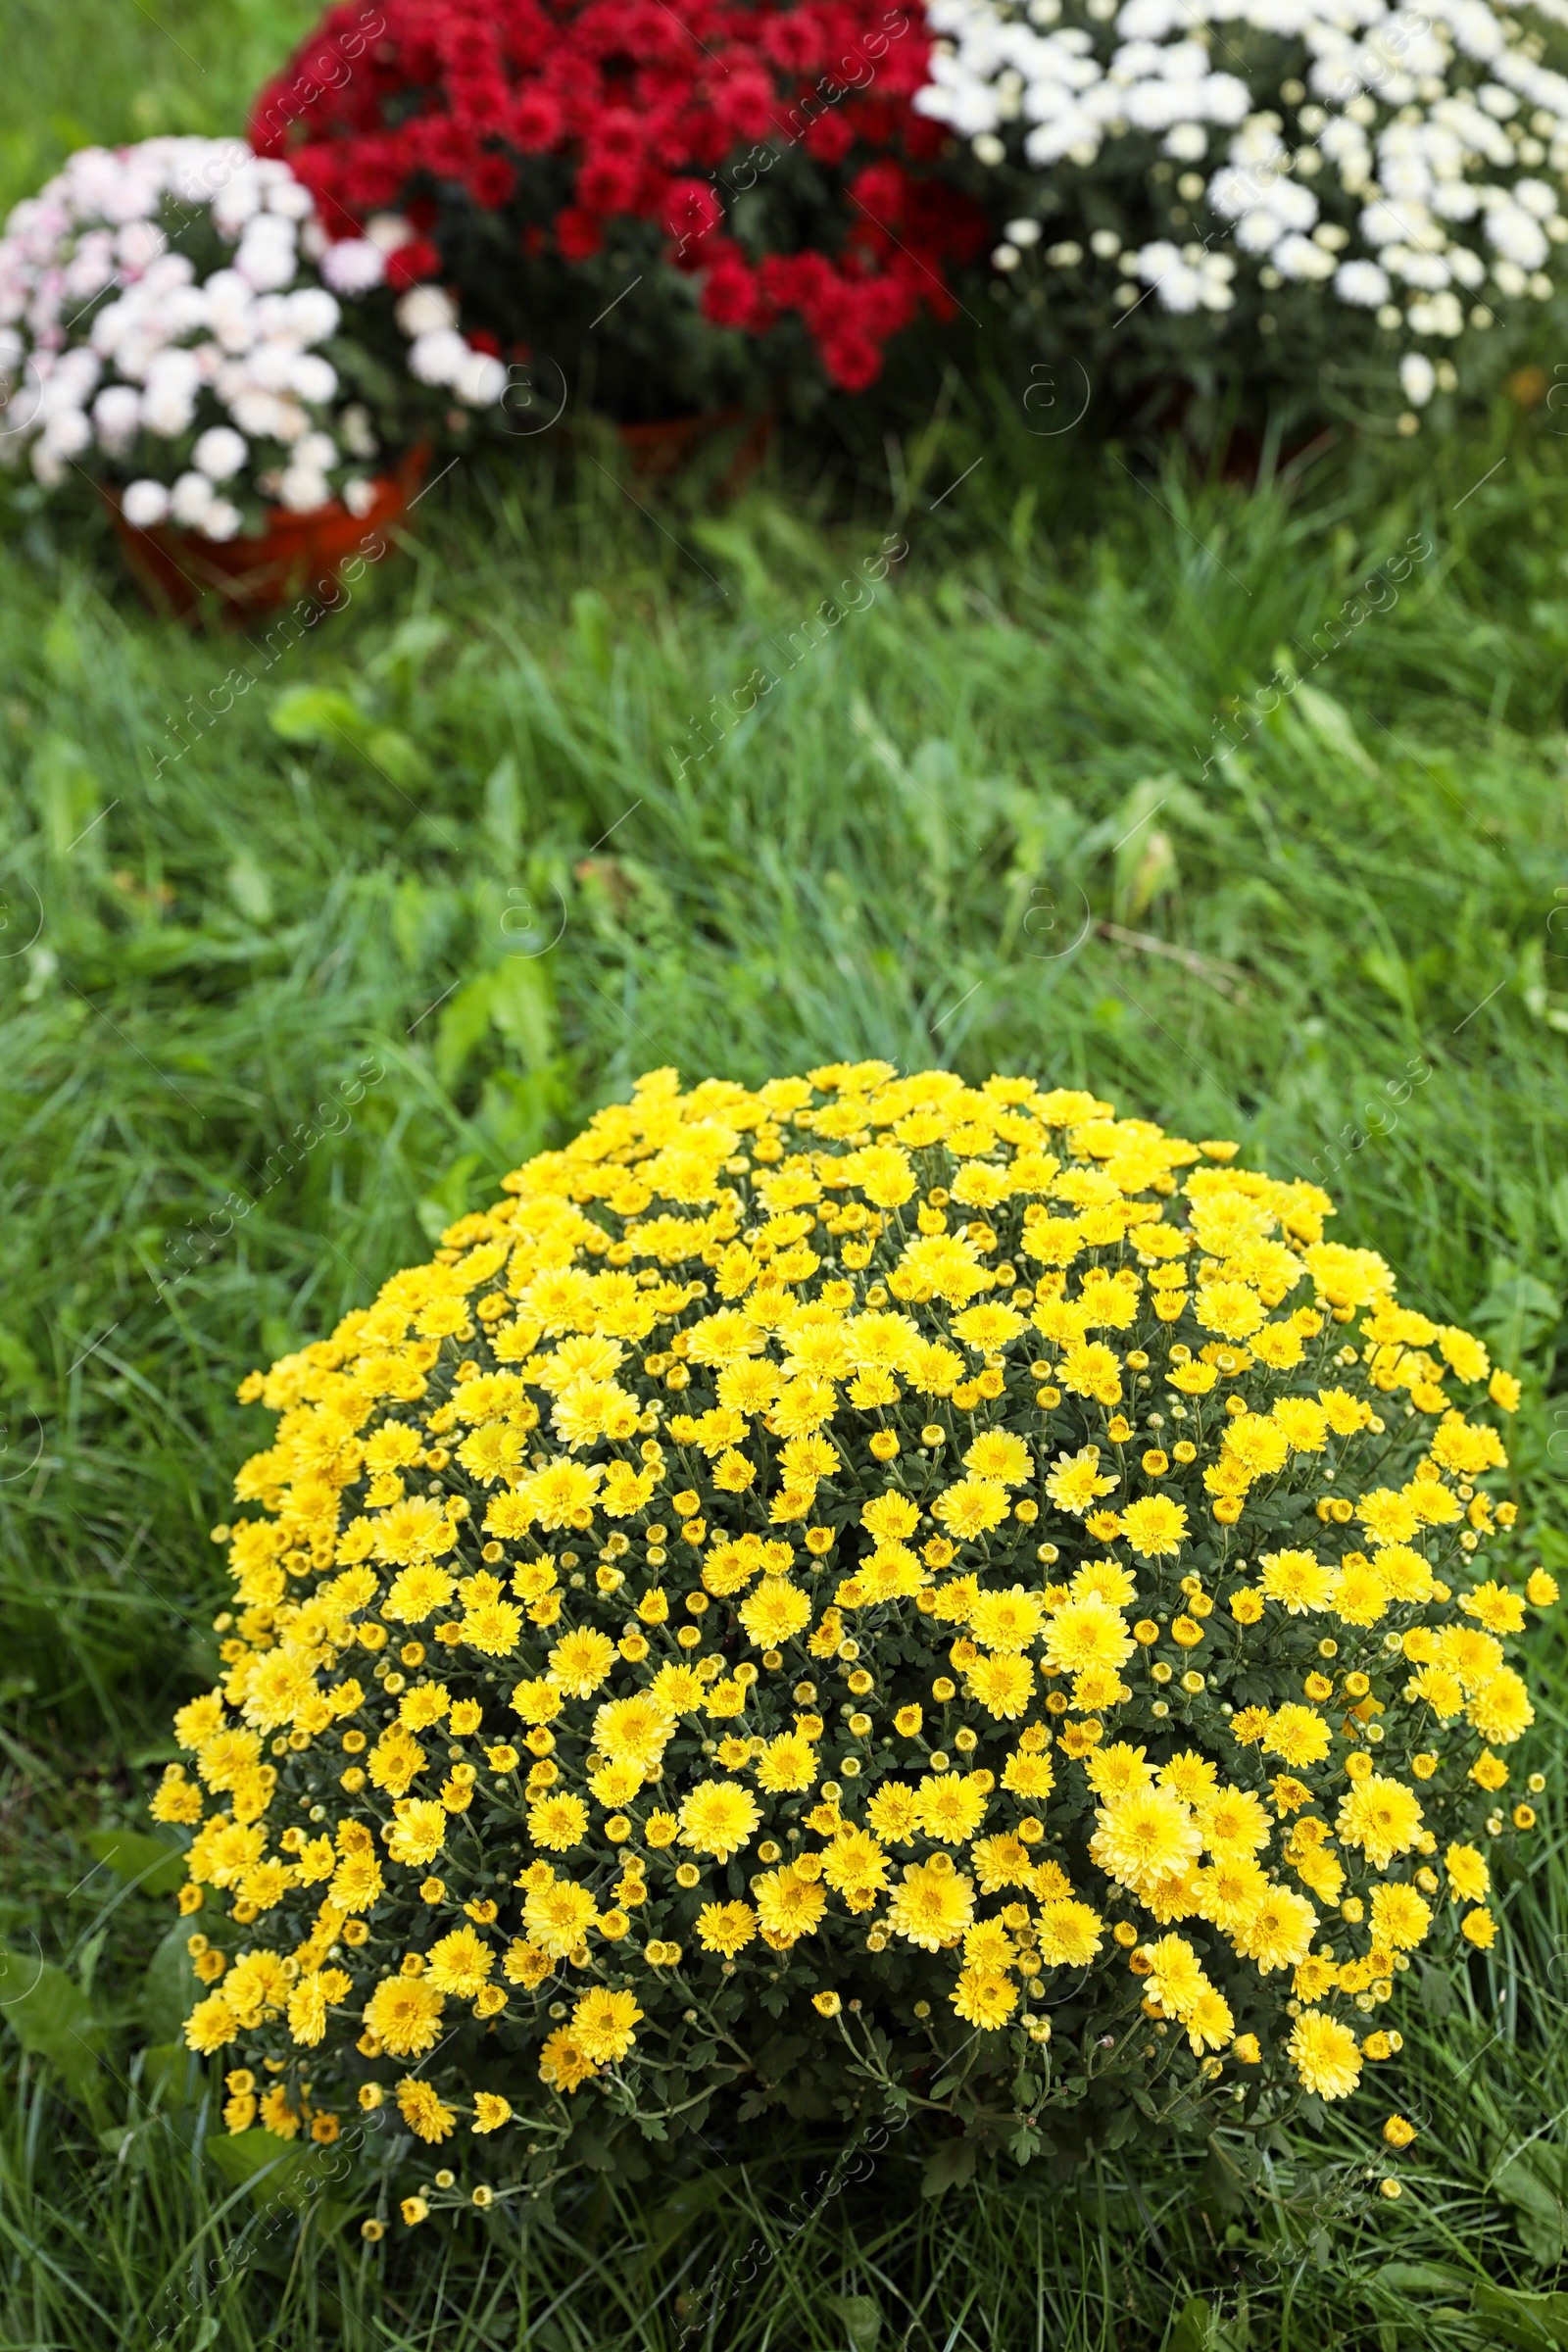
pixel 1007 1620
pixel 983 1997
pixel 421 2109
pixel 725 1928
pixel 556 1822
pixel 1480 1929
pixel 1004 1686
pixel 643 1383
pixel 1297 1734
pixel 1070 1932
pixel 973 1506
pixel 1381 1816
pixel 1501 1710
pixel 460 1964
pixel 717 1818
pixel 603 2024
pixel 1085 1632
pixel 931 1906
pixel 1144 1837
pixel 1297 1579
pixel 404 2013
pixel 787 1906
pixel 1209 2021
pixel 1399 1917
pixel 1325 2055
pixel 581 1660
pixel 1397 2132
pixel 558 1917
pixel 1076 1484
pixel 1155 1527
pixel 1278 1932
pixel 951 1806
pixel 774 1612
pixel 564 2065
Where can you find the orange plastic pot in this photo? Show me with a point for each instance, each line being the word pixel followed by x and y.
pixel 179 572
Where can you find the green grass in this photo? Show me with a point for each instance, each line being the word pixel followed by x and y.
pixel 445 850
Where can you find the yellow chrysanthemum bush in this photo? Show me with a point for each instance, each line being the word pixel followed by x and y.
pixel 866 1595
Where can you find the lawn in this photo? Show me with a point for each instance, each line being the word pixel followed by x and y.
pixel 305 945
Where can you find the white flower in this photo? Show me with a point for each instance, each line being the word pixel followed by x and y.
pixel 286 197
pixel 168 411
pixel 257 412
pixel 1434 120
pixel 1362 284
pixel 190 499
pixel 313 315
pixel 354 266
pixel 271 362
pixel 314 378
pixel 1517 236
pixel 359 496
pixel 1299 257
pixel 144 505
pixel 386 231
pixel 1418 379
pixel 426 311
pixel 355 426
pixel 67 433
pixel 220 453
pixel 1443 315
pixel 302 490
pixel 117 413
pixel 266 263
pixel 480 381
pixel 439 358
pixel 138 245
pixel 222 520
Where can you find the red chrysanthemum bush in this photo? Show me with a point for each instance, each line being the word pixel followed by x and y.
pixel 768 154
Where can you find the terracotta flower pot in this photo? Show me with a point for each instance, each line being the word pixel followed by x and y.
pixel 662 448
pixel 177 572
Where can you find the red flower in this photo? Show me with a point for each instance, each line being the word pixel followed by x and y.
pixel 535 121
pixel 411 261
pixel 664 112
pixel 579 235
pixel 608 185
pixel 729 297
pixel 853 362
pixel 491 180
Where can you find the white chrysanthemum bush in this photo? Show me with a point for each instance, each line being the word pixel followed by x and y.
pixel 175 325
pixel 865 1595
pixel 1364 198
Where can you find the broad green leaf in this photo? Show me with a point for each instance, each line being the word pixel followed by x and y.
pixel 862 2319
pixel 157 1867
pixel 318 715
pixel 52 2017
pixel 169 1989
